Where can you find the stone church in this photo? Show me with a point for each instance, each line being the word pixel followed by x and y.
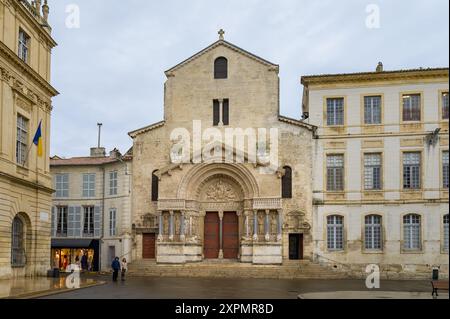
pixel 231 204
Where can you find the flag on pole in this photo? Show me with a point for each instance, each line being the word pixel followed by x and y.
pixel 38 140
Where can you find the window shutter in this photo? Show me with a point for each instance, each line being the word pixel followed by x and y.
pixel 77 222
pixel 97 221
pixel 226 112
pixel 54 221
pixel 216 113
pixel 71 222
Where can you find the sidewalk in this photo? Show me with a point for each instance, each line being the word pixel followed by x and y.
pixel 24 288
pixel 371 295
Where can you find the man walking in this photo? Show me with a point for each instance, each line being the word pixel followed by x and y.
pixel 116 268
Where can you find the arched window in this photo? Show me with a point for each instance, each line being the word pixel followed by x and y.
pixel 412 232
pixel 335 232
pixel 373 234
pixel 446 233
pixel 17 243
pixel 155 187
pixel 286 183
pixel 221 68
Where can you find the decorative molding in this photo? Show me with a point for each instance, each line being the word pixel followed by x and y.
pixel 267 203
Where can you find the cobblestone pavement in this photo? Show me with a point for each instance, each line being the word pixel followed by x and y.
pixel 215 288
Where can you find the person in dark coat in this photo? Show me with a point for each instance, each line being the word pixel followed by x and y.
pixel 116 268
pixel 84 262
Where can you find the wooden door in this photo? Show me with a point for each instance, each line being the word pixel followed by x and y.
pixel 230 236
pixel 211 241
pixel 148 246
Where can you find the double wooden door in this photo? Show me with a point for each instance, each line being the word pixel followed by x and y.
pixel 230 235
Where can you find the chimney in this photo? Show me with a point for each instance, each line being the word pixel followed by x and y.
pixel 115 154
pixel 380 67
pixel 98 151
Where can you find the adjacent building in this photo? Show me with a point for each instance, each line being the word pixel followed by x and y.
pixel 25 102
pixel 91 209
pixel 380 186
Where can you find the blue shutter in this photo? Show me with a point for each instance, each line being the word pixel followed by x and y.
pixel 71 222
pixel 97 221
pixel 77 222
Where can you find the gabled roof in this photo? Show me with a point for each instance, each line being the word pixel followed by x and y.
pixel 228 45
pixel 145 129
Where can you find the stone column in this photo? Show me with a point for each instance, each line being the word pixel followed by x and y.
pixel 171 225
pixel 280 225
pixel 221 235
pixel 220 112
pixel 182 228
pixel 160 226
pixel 267 225
pixel 255 225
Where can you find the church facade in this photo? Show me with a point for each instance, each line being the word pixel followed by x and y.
pixel 239 187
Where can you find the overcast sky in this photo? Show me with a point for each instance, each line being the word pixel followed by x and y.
pixel 111 69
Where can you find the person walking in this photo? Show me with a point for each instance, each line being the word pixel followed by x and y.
pixel 124 268
pixel 84 262
pixel 115 267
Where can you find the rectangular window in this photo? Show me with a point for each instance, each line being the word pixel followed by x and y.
pixel 62 185
pixel 335 172
pixel 88 224
pixel 113 183
pixel 112 221
pixel 373 232
pixel 22 140
pixel 372 109
pixel 411 170
pixel 372 171
pixel 412 229
pixel 445 171
pixel 444 101
pixel 61 226
pixel 88 185
pixel 411 107
pixel 24 46
pixel 335 111
pixel 221 112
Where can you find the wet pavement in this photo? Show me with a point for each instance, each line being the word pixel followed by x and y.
pixel 219 288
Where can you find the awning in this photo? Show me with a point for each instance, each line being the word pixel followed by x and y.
pixel 71 243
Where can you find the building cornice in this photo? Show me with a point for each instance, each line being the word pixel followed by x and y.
pixel 25 69
pixel 145 129
pixel 384 76
pixel 291 121
pixel 27 183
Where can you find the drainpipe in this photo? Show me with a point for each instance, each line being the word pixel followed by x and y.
pixel 102 222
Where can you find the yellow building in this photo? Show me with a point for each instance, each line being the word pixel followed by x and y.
pixel 25 101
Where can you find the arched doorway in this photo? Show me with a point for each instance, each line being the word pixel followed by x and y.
pixel 20 240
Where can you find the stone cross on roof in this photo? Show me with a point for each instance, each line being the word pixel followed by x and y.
pixel 221 33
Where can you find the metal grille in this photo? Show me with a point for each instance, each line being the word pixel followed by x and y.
pixel 411 107
pixel 411 170
pixel 61 227
pixel 24 41
pixel 372 109
pixel 22 139
pixel 335 111
pixel 17 244
pixel 445 106
pixel 112 221
pixel 62 185
pixel 335 172
pixel 411 232
pixel 372 171
pixel 373 236
pixel 88 185
pixel 446 233
pixel 113 183
pixel 445 172
pixel 335 232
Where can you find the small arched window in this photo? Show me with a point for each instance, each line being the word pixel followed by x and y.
pixel 373 234
pixel 17 244
pixel 412 239
pixel 155 187
pixel 335 232
pixel 286 183
pixel 221 68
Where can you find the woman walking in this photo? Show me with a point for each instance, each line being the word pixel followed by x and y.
pixel 124 267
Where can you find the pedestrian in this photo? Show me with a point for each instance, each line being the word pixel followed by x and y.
pixel 84 262
pixel 115 267
pixel 124 268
